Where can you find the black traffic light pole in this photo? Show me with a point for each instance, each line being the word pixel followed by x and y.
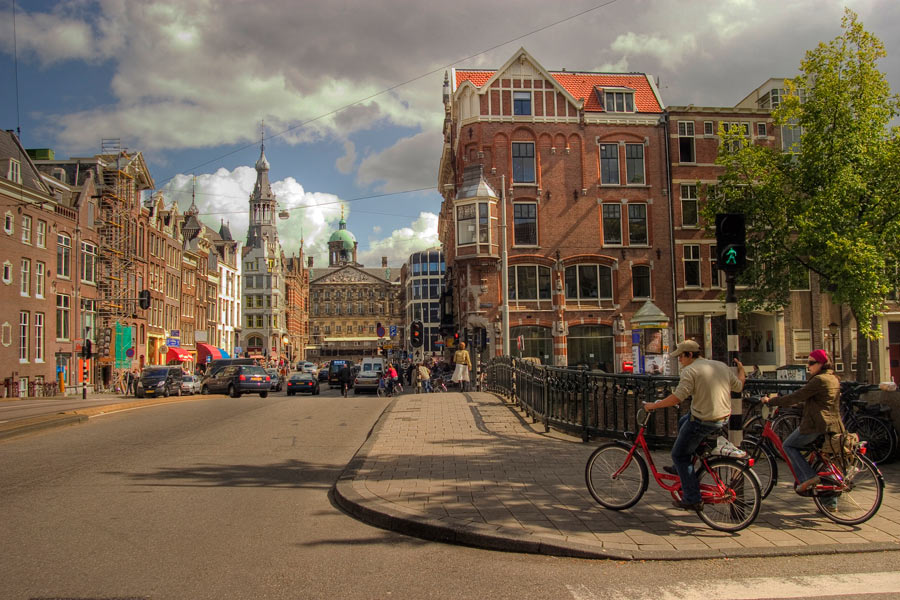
pixel 731 257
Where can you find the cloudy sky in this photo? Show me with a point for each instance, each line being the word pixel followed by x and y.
pixel 350 91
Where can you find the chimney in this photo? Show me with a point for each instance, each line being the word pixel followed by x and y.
pixel 310 262
pixel 384 262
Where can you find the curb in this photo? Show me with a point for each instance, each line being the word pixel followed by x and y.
pixel 369 508
pixel 78 416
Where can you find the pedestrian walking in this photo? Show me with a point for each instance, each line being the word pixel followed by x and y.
pixel 710 383
pixel 463 364
pixel 423 379
pixel 345 375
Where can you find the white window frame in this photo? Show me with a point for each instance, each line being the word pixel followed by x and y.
pixel 89 263
pixel 64 247
pixel 608 172
pixel 521 95
pixel 25 283
pixel 40 274
pixel 709 128
pixel 514 283
pixel 627 97
pixel 9 223
pixel 24 335
pixel 761 125
pixel 838 343
pixel 26 229
pixel 691 254
pixel 63 316
pixel 577 270
pixel 802 343
pixel 482 231
pixel 15 171
pixel 41 234
pixel 38 337
pixel 7 272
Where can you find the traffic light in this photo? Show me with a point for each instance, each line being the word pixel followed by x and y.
pixel 86 348
pixel 456 338
pixel 144 299
pixel 415 334
pixel 731 249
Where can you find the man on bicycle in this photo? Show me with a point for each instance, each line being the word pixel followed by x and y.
pixel 345 375
pixel 709 383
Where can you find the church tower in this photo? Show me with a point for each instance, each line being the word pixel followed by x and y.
pixel 263 206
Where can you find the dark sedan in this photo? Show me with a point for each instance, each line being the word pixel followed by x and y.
pixel 302 383
pixel 235 380
pixel 277 379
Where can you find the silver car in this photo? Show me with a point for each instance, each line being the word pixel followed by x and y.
pixel 190 384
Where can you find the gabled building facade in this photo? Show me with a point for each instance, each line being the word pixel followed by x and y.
pixel 579 161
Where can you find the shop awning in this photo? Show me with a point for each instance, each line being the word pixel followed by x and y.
pixel 333 340
pixel 223 353
pixel 178 354
pixel 206 353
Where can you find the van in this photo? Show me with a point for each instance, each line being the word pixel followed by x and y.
pixel 160 381
pixel 334 372
pixel 375 363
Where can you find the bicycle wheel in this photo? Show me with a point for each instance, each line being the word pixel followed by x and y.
pixel 784 425
pixel 877 433
pixel 612 481
pixel 754 426
pixel 731 496
pixel 765 465
pixel 860 496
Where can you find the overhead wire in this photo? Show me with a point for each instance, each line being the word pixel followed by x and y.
pixel 401 84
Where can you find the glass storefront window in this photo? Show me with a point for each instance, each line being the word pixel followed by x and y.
pixel 591 345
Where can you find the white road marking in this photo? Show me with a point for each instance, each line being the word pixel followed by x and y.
pixel 753 588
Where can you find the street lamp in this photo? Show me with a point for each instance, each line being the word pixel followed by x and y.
pixel 834 328
pixel 284 345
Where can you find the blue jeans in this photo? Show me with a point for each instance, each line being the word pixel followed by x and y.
pixel 792 445
pixel 690 434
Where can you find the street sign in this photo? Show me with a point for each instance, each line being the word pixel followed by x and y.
pixel 393 331
pixel 520 342
pixel 238 349
pixel 379 330
pixel 173 342
pixel 175 333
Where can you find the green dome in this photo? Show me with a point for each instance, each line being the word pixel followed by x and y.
pixel 344 236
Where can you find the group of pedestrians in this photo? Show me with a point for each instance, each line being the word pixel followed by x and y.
pixel 709 383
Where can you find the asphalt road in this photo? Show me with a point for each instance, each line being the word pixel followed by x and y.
pixel 229 498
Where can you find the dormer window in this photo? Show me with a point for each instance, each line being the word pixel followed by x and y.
pixel 616 101
pixel 15 171
pixel 521 103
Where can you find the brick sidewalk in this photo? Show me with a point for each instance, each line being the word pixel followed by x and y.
pixel 467 468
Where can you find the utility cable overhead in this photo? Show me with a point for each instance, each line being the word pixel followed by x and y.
pixel 401 84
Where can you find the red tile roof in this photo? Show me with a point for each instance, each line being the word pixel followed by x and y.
pixel 584 85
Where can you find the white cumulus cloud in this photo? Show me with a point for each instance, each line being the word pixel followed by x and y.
pixel 420 235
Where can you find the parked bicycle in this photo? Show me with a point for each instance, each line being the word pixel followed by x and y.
pixel 850 490
pixel 616 475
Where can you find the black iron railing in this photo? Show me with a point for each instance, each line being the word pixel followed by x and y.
pixel 596 404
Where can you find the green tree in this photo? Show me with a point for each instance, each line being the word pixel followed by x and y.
pixel 832 205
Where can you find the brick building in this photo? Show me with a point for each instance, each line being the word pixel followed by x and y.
pixel 580 161
pixel 297 306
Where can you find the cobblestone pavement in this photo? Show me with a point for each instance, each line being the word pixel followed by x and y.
pixel 468 468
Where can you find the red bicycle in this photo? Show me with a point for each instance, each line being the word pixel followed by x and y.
pixel 617 477
pixel 850 490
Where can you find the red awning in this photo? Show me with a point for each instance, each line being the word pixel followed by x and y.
pixel 205 353
pixel 178 354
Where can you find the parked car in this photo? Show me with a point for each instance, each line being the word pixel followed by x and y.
pixel 307 367
pixel 160 381
pixel 235 380
pixel 302 383
pixel 367 381
pixel 277 380
pixel 322 376
pixel 213 367
pixel 190 384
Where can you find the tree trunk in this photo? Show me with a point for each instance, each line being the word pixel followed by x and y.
pixel 862 354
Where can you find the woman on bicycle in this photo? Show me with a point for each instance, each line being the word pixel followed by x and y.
pixel 821 413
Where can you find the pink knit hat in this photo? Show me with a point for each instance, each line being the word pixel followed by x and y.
pixel 820 356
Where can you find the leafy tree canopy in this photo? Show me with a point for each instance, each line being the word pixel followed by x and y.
pixel 832 206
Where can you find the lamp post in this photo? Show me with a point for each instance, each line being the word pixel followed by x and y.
pixel 834 328
pixel 285 340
